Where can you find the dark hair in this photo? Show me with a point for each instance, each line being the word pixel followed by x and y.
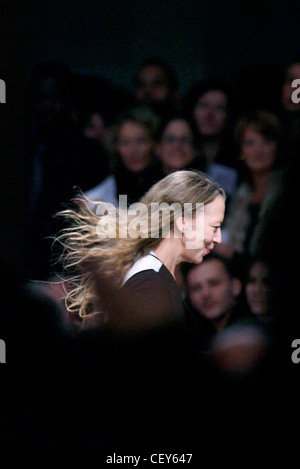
pixel 200 88
pixel 169 71
pixel 170 118
pixel 264 122
pixel 142 115
pixel 267 124
pixel 249 262
pixel 229 265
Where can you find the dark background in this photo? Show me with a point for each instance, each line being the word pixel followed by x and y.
pixel 111 38
pixel 198 37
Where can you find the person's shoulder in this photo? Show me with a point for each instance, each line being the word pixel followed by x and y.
pixel 106 189
pixel 144 268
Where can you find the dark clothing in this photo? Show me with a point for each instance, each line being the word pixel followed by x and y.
pixel 135 185
pixel 204 330
pixel 60 165
pixel 149 298
pixel 253 211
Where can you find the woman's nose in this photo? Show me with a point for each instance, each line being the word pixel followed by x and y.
pixel 218 237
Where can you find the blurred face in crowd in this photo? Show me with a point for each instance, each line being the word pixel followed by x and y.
pixel 258 289
pixel 210 113
pixel 134 146
pixel 176 149
pixel 153 86
pixel 211 290
pixel 258 151
pixel 293 73
pixel 96 128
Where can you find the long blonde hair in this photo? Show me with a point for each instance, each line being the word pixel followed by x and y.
pixel 92 261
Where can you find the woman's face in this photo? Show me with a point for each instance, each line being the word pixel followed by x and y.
pixel 258 289
pixel 210 113
pixel 134 146
pixel 176 149
pixel 204 232
pixel 258 152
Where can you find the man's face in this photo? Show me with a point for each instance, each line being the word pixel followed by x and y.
pixel 211 290
pixel 153 86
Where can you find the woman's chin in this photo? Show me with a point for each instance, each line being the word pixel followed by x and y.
pixel 198 257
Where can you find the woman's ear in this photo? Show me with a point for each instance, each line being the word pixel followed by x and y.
pixel 180 224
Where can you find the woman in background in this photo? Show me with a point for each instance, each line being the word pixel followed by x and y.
pixel 209 106
pixel 258 287
pixel 134 168
pixel 176 147
pixel 258 137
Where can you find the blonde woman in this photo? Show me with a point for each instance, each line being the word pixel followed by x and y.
pixel 125 263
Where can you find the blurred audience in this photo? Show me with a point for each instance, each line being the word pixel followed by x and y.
pixel 258 288
pixel 156 85
pixel 209 105
pixel 262 178
pixel 135 167
pixel 175 145
pixel 176 149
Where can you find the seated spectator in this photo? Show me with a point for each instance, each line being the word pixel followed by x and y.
pixel 156 85
pixel 176 150
pixel 212 290
pixel 175 145
pixel 257 288
pixel 257 135
pixel 135 168
pixel 209 106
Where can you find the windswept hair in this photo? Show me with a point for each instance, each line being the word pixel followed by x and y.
pixel 93 261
